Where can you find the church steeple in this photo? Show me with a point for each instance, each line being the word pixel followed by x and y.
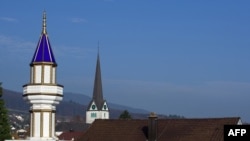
pixel 97 92
pixel 97 108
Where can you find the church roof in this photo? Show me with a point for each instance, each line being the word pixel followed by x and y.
pixel 207 129
pixel 44 51
pixel 97 91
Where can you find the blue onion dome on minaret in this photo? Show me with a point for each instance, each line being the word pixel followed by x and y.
pixel 43 53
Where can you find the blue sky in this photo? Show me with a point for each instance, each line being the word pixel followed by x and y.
pixel 189 58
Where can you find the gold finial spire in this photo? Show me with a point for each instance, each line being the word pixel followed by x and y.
pixel 44 22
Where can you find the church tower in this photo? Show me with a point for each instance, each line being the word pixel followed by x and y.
pixel 43 92
pixel 97 108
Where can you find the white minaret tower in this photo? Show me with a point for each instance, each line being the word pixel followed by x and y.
pixel 43 92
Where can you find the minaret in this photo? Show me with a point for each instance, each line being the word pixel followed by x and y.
pixel 98 108
pixel 43 92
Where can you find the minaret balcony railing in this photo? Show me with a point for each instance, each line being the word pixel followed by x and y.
pixel 42 89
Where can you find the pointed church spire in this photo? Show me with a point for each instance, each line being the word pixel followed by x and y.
pixel 97 108
pixel 97 92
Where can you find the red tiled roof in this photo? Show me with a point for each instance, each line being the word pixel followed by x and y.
pixel 210 129
pixel 70 135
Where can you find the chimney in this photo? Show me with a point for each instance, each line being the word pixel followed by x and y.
pixel 152 127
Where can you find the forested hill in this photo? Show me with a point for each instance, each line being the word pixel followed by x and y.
pixel 72 105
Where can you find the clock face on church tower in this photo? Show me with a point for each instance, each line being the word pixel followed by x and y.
pixel 93 107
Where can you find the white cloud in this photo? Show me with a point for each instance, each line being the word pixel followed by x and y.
pixel 14 44
pixel 71 51
pixel 8 19
pixel 15 47
pixel 78 20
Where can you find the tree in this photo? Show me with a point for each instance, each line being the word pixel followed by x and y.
pixel 4 122
pixel 125 115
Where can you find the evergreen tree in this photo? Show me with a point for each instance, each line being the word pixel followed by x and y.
pixel 125 115
pixel 4 122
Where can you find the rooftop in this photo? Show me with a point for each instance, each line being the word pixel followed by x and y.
pixel 207 129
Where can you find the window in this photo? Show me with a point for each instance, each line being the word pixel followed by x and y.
pixel 104 107
pixel 93 115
